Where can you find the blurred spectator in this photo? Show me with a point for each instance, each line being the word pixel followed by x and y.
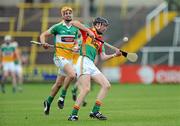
pixel 7 59
pixel 18 67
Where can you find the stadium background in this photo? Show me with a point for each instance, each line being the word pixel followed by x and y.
pixel 153 29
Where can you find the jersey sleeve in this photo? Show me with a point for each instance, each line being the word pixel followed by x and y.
pixel 101 49
pixel 15 44
pixel 53 29
pixel 84 35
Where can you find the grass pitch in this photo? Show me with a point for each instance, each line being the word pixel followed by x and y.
pixel 125 105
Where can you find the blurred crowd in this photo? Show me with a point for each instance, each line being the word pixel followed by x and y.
pixel 174 5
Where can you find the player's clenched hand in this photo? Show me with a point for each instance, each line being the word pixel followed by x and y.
pixel 118 53
pixel 45 45
pixel 75 49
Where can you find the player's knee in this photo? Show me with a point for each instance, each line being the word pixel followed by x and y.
pixel 87 90
pixel 107 86
pixel 72 75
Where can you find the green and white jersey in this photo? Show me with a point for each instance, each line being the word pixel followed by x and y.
pixel 64 36
pixel 8 52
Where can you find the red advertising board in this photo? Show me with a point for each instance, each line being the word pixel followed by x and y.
pixel 149 74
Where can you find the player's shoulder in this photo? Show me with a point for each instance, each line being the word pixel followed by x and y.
pixel 59 24
pixel 74 22
pixel 3 45
pixel 15 44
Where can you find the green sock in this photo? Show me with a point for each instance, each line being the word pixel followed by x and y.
pixel 74 90
pixel 63 93
pixel 2 85
pixel 97 106
pixel 14 89
pixel 50 99
pixel 75 110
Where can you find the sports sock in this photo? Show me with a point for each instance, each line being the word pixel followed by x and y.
pixel 14 89
pixel 97 106
pixel 74 90
pixel 50 99
pixel 75 110
pixel 20 87
pixel 63 93
pixel 2 86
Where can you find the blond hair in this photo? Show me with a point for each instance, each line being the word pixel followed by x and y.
pixel 65 8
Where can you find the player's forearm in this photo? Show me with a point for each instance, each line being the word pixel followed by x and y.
pixel 43 36
pixel 82 27
pixel 78 25
pixel 18 55
pixel 106 57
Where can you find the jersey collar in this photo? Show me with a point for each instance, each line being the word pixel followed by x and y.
pixel 64 24
pixel 96 32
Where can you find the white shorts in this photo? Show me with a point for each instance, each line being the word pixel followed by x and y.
pixel 18 68
pixel 86 66
pixel 60 62
pixel 9 66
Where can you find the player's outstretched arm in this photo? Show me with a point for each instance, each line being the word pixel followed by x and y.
pixel 82 27
pixel 104 56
